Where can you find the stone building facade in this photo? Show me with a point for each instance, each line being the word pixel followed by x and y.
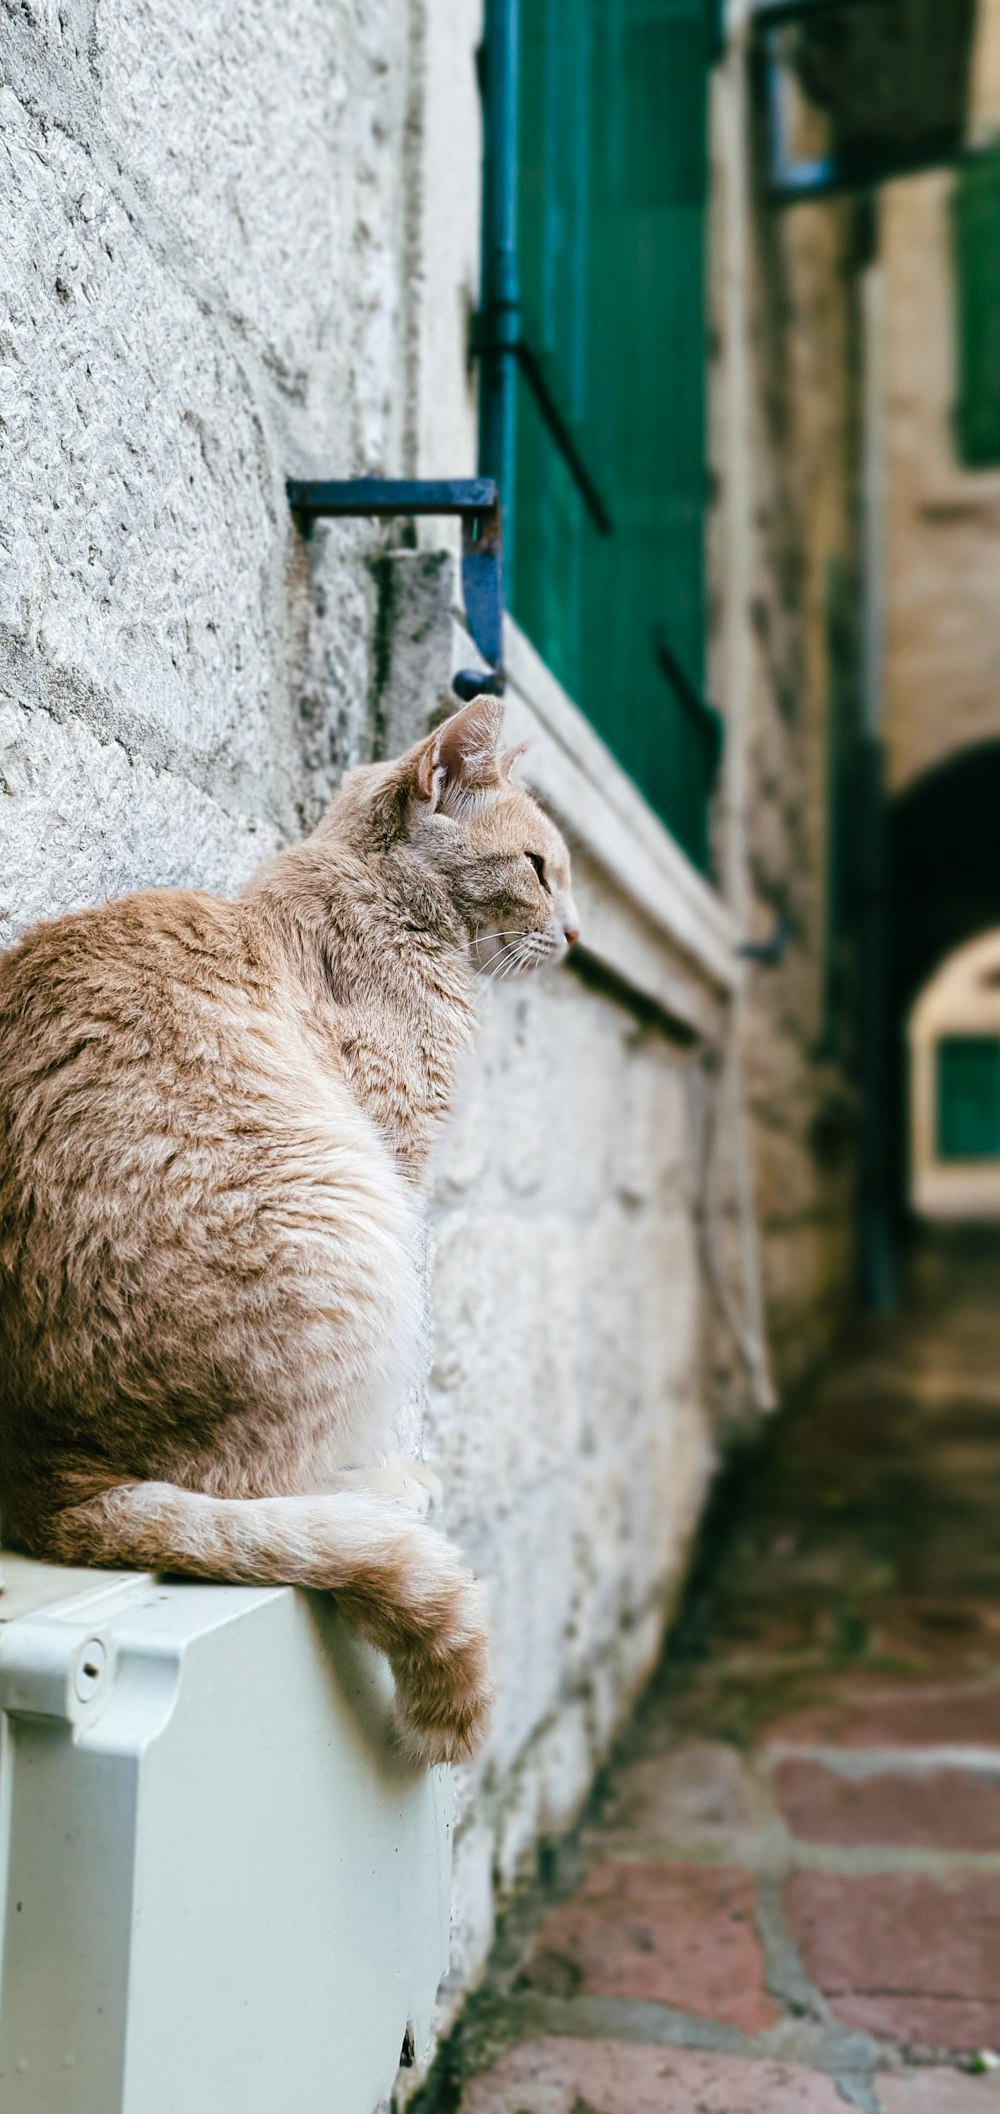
pixel 943 519
pixel 786 432
pixel 244 244
pixel 942 658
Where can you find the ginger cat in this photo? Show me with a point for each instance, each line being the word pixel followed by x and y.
pixel 214 1117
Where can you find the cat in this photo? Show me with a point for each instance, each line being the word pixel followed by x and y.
pixel 214 1119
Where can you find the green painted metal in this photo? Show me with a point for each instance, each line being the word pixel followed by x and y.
pixel 969 1097
pixel 612 158
pixel 977 278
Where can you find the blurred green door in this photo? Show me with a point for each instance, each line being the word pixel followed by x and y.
pixel 969 1097
pixel 611 239
pixel 976 210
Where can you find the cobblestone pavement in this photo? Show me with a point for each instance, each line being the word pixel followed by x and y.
pixel 787 1896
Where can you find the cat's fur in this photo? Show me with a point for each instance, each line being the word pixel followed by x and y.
pixel 213 1119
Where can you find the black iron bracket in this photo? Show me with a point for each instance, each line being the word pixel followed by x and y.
pixel 707 719
pixel 772 951
pixel 476 503
pixel 509 339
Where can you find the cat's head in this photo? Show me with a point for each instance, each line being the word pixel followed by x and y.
pixel 453 804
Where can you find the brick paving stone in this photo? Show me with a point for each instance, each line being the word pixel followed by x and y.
pixel 869 1712
pixel 557 2076
pixel 666 1933
pixel 938 2092
pixel 897 1954
pixel 854 1602
pixel 949 1809
pixel 700 1794
pixel 958 1633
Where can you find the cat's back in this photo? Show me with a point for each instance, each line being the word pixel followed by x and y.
pixel 139 996
pixel 180 1172
pixel 97 991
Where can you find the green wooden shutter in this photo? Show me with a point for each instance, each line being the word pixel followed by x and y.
pixel 969 1097
pixel 611 238
pixel 977 284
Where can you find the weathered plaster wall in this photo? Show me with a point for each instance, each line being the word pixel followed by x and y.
pixel 800 409
pixel 242 242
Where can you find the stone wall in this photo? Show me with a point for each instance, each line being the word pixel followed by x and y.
pixel 220 271
pixel 800 407
pixel 243 244
pixel 564 1398
pixel 943 643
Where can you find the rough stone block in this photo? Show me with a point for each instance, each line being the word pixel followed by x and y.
pixel 652 1142
pixel 530 1575
pixel 267 142
pixel 670 1295
pixel 599 1556
pixel 608 1694
pixel 146 531
pixel 462 1153
pixel 335 603
pixel 611 1264
pixel 472 1913
pixel 565 1769
pixel 80 821
pixel 519 1830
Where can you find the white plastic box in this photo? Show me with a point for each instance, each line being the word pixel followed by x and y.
pixel 223 1890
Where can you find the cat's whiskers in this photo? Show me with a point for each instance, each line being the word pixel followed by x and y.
pixel 491 966
pixel 499 964
pixel 517 959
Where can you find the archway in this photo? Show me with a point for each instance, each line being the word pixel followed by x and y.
pixel 943 888
pixel 953 1035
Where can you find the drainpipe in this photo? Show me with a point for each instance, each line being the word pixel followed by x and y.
pixel 877 1257
pixel 500 297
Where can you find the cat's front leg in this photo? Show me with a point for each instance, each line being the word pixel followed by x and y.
pixel 410 1483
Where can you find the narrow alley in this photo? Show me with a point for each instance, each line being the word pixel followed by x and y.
pixel 787 1895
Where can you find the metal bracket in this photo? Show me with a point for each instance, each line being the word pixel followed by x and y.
pixel 772 951
pixel 476 502
pixel 506 339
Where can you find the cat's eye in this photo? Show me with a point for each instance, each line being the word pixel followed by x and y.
pixel 539 865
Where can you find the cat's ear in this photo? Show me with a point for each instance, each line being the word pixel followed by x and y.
pixel 511 756
pixel 458 763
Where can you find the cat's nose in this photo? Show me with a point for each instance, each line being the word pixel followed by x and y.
pixel 566 912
